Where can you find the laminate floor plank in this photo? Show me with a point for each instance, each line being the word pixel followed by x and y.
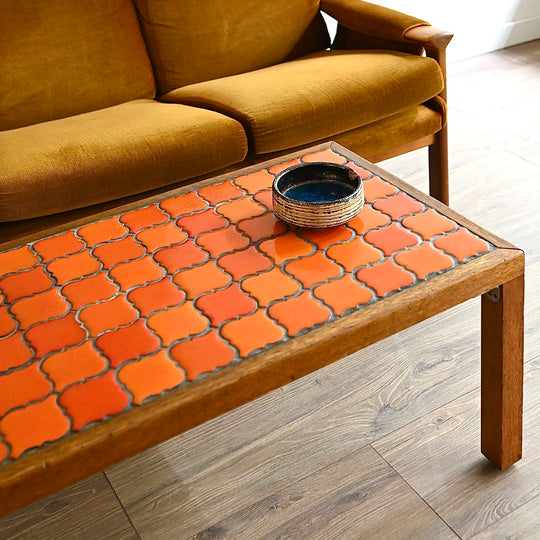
pixel 465 490
pixel 496 82
pixel 521 524
pixel 374 502
pixel 532 311
pixel 87 510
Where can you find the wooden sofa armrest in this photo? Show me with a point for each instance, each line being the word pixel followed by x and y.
pixel 429 36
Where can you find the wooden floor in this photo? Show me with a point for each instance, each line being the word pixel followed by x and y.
pixel 384 443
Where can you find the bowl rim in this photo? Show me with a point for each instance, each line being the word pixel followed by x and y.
pixel 329 165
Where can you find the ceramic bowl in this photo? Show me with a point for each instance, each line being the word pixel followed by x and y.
pixel 317 195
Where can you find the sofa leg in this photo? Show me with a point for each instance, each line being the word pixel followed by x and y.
pixel 438 166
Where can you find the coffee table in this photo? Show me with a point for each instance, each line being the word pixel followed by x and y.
pixel 121 331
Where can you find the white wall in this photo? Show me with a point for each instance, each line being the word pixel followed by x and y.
pixel 479 26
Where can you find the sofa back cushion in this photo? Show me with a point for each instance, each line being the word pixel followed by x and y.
pixel 65 57
pixel 192 41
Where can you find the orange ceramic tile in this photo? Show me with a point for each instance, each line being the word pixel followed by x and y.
pixel 256 181
pixel 7 322
pixel 34 425
pixel 364 174
pixel 461 244
pixel 245 262
pixel 398 205
pixel 385 277
pixel 241 209
pixel 222 241
pixel 367 219
pixel 313 269
pixel 299 313
pixel 424 260
pixel 180 257
pixel 216 193
pixel 13 352
pixel 177 322
pixel 202 354
pixel 39 308
pixel 93 400
pixel 17 259
pixel 183 204
pixel 139 272
pixel 323 238
pixel 118 251
pixel 353 254
pixel 59 246
pixel 143 218
pixel 73 267
pixel 203 278
pixel 343 294
pixel 270 286
pixel 286 247
pixel 102 231
pixel 151 376
pixel 21 387
pixel 25 283
pixel 156 296
pixel 327 155
pixel 265 198
pixel 275 169
pixel 252 332
pixel 127 343
pixel 55 335
pixel 375 188
pixel 225 304
pixel 89 290
pixel 391 238
pixel 107 315
pixel 73 365
pixel 265 226
pixel 201 222
pixel 161 236
pixel 429 223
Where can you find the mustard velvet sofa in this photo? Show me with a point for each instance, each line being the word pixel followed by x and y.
pixel 103 101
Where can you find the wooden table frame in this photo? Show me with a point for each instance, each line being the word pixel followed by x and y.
pixel 497 275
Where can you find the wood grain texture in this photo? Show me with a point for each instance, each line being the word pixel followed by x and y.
pixel 522 524
pixel 366 499
pixel 467 492
pixel 85 510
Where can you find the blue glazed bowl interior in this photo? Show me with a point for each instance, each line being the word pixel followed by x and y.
pixel 318 183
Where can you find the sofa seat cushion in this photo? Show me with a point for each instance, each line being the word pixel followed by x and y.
pixel 111 153
pixel 393 132
pixel 317 96
pixel 67 57
pixel 378 139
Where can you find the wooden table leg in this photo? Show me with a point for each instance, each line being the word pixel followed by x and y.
pixel 502 373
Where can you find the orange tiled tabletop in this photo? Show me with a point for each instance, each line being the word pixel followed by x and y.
pixel 115 314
